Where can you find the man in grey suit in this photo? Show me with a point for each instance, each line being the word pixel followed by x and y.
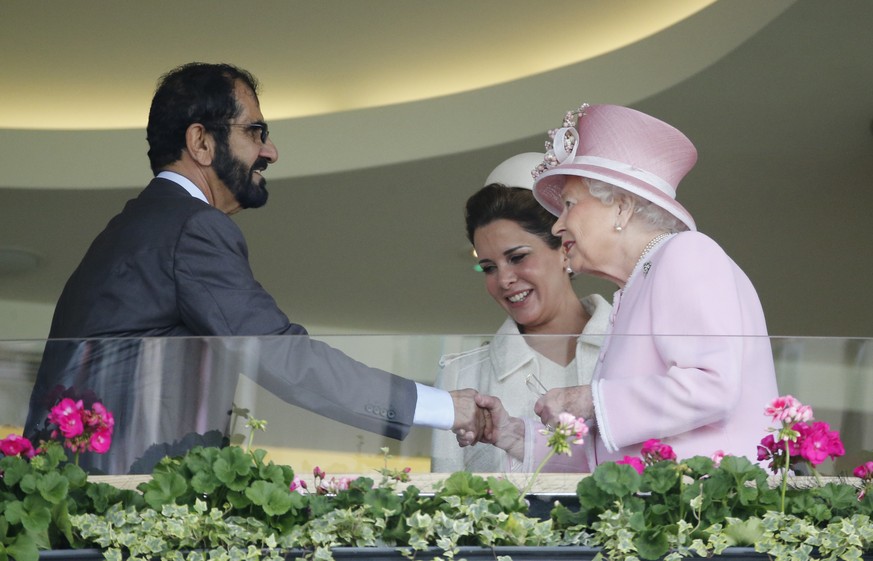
pixel 173 264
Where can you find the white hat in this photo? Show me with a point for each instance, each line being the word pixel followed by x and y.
pixel 516 171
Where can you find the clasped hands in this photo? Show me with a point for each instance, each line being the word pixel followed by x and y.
pixel 482 418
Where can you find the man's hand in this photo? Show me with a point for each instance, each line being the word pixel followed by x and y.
pixel 471 422
pixel 505 431
pixel 576 400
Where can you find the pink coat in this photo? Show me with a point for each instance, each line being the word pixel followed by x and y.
pixel 687 361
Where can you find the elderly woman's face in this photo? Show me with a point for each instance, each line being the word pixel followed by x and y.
pixel 585 228
pixel 523 274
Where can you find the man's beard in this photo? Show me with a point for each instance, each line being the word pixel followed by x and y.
pixel 239 179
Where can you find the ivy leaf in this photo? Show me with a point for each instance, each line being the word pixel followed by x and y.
pixel 744 533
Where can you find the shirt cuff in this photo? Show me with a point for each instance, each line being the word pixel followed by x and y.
pixel 434 408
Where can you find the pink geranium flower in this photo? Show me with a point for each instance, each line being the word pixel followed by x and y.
pixel 15 445
pixel 633 462
pixel 100 440
pixel 717 457
pixel 334 485
pixel 817 442
pixel 67 415
pixel 99 416
pixel 786 409
pixel 864 471
pixel 656 451
pixel 572 427
pixel 83 429
pixel 297 484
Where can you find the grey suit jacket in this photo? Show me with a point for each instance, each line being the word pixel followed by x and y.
pixel 170 265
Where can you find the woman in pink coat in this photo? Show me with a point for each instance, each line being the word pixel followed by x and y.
pixel 687 360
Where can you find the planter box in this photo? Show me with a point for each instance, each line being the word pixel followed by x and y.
pixel 468 553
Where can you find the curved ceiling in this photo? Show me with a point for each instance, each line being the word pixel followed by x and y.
pixel 343 89
pixel 346 55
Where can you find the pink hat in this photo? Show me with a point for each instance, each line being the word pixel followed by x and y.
pixel 619 146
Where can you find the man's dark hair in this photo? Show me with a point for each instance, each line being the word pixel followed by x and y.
pixel 496 202
pixel 192 93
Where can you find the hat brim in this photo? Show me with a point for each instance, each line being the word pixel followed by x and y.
pixel 547 189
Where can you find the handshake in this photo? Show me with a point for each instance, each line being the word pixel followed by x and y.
pixel 482 418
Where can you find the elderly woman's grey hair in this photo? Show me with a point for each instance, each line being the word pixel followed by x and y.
pixel 651 215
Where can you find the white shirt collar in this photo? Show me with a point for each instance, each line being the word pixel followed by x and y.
pixel 184 183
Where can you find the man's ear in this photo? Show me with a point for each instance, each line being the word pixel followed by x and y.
pixel 200 144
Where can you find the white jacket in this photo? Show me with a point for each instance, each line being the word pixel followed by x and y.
pixel 505 368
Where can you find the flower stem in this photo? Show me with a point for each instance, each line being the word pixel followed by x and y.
pixel 536 473
pixel 785 475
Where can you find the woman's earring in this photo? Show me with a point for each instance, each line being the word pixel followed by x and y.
pixel 617 228
pixel 569 270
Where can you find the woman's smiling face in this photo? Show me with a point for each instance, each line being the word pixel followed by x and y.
pixel 522 273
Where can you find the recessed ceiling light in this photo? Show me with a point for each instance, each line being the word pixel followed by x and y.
pixel 15 260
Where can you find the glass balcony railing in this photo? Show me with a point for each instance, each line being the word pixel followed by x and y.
pixel 169 394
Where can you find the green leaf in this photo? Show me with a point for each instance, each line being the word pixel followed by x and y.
pixel 76 475
pixel 164 488
pixel 53 487
pixel 233 468
pixel 13 468
pixel 619 480
pixel 33 513
pixel 464 484
pixel 204 482
pixel 273 498
pixel 652 543
pixel 23 548
pixel 661 478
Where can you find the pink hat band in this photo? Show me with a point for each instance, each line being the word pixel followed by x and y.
pixel 622 147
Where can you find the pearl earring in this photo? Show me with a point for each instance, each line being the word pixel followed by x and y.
pixel 569 270
pixel 618 228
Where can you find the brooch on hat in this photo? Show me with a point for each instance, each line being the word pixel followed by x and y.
pixel 566 146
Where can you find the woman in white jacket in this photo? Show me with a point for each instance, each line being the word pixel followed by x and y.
pixel 526 272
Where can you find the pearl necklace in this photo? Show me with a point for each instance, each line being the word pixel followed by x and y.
pixel 649 246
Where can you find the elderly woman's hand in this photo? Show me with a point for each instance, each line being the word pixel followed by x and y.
pixel 575 400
